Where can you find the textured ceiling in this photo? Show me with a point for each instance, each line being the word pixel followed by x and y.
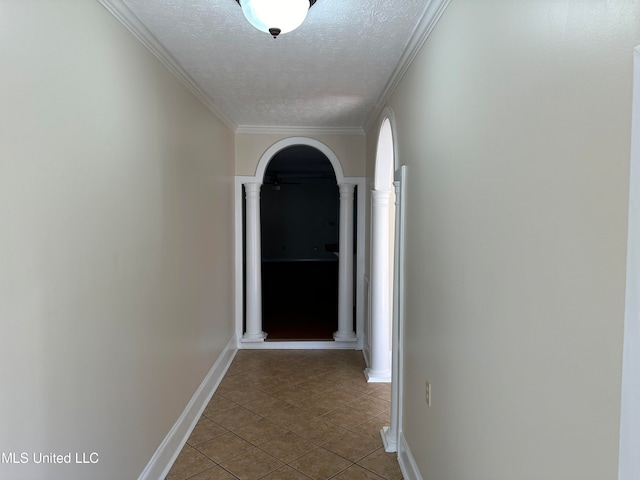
pixel 330 73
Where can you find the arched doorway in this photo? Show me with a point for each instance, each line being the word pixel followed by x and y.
pixel 248 193
pixel 300 220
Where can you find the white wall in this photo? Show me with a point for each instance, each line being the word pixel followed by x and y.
pixel 116 241
pixel 514 121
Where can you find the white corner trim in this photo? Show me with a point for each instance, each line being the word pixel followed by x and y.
pixel 410 470
pixel 629 460
pixel 427 23
pixel 126 17
pixel 166 454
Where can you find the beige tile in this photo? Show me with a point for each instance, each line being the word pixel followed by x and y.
pixel 286 473
pixel 266 406
pixel 189 463
pixel 230 382
pixel 342 395
pixel 215 473
pixel 370 404
pixel 288 447
pixel 386 416
pixel 317 430
pixel 243 395
pixel 383 463
pixel 224 447
pixel 346 417
pixel 205 429
pixel 371 428
pixel 306 374
pixel 356 382
pixel 217 404
pixel 356 472
pixel 234 418
pixel 353 377
pixel 315 385
pixel 260 431
pixel 320 464
pixel 243 366
pixel 290 416
pixel 311 409
pixel 268 383
pixel 294 393
pixel 252 464
pixel 383 391
pixel 318 404
pixel 351 446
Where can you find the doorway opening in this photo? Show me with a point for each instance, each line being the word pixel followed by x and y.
pixel 300 228
pixel 250 333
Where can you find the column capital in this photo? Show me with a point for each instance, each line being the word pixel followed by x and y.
pixel 347 188
pixel 380 198
pixel 252 189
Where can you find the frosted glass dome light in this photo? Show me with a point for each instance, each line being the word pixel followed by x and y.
pixel 275 16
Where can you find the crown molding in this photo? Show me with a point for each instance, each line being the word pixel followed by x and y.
pixel 299 131
pixel 427 23
pixel 126 17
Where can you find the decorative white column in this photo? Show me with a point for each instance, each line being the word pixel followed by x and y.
pixel 253 258
pixel 380 361
pixel 390 433
pixel 345 331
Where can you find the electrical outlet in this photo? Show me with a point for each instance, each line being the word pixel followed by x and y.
pixel 428 394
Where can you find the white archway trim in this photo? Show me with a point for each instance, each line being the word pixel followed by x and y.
pixel 385 150
pixel 291 141
pixel 360 183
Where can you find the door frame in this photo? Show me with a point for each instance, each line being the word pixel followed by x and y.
pixel 629 460
pixel 359 233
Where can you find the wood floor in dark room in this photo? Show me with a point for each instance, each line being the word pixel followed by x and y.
pixel 300 300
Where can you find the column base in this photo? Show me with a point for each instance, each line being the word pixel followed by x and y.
pixel 388 440
pixel 345 337
pixel 253 337
pixel 373 376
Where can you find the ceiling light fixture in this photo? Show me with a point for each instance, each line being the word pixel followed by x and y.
pixel 276 16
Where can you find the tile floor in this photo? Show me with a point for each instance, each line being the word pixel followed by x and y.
pixel 291 415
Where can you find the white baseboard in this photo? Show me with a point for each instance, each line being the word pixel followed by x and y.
pixel 299 345
pixel 388 440
pixel 407 463
pixel 166 454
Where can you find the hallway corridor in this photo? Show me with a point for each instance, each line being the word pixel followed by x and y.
pixel 291 415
